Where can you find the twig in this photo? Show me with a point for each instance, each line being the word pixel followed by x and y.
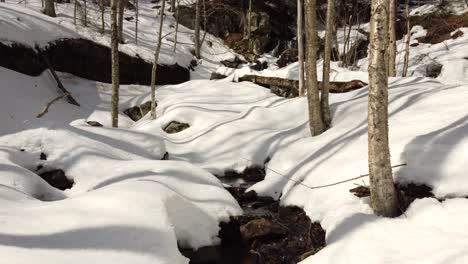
pixel 325 185
pixel 46 108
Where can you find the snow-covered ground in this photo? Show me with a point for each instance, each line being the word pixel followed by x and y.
pixel 25 24
pixel 127 206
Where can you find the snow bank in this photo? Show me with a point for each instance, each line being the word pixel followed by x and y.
pixel 125 205
pixel 25 24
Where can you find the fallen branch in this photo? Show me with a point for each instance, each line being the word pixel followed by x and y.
pixel 69 98
pixel 325 185
pixel 335 87
pixel 330 184
pixel 46 108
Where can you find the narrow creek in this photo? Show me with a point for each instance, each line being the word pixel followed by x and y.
pixel 266 233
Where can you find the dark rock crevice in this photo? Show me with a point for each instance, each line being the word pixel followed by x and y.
pixel 88 60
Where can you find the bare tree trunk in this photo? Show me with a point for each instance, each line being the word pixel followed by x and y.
pixel 197 29
pixel 115 64
pixel 103 22
pixel 249 24
pixel 121 8
pixel 155 63
pixel 177 25
pixel 392 39
pixel 383 196
pixel 408 39
pixel 326 116
pixel 205 21
pixel 300 46
pixel 173 5
pixel 75 8
pixel 49 8
pixel 315 115
pixel 136 21
pixel 85 14
pixel 335 42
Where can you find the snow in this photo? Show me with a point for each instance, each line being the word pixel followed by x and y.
pixel 129 206
pixel 28 26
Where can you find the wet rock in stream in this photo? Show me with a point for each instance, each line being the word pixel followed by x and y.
pixel 265 234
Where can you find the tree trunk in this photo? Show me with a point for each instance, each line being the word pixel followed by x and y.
pixel 103 22
pixel 136 21
pixel 333 87
pixel 155 63
pixel 249 24
pixel 85 14
pixel 315 115
pixel 326 116
pixel 383 196
pixel 173 5
pixel 300 46
pixel 408 39
pixel 75 8
pixel 121 7
pixel 115 64
pixel 392 39
pixel 177 25
pixel 49 8
pixel 197 29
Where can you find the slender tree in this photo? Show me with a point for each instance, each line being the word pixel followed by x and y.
pixel 392 39
pixel 324 102
pixel 136 21
pixel 315 116
pixel 115 64
pixel 121 8
pixel 103 10
pixel 197 29
pixel 173 5
pixel 49 8
pixel 408 39
pixel 75 8
pixel 177 25
pixel 155 63
pixel 383 196
pixel 85 16
pixel 249 24
pixel 300 46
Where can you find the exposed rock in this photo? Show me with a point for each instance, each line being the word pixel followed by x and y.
pixel 457 34
pixel 94 123
pixel 233 62
pixel 262 227
pixel 250 174
pixel 88 60
pixel 287 57
pixel 259 65
pixel 57 178
pixel 175 127
pixel 431 69
pixel 137 112
pixel 43 156
pixel 217 76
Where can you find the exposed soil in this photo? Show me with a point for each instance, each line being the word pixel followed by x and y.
pixel 407 193
pixel 439 26
pixel 266 234
pixel 88 60
pixel 175 127
pixel 57 179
